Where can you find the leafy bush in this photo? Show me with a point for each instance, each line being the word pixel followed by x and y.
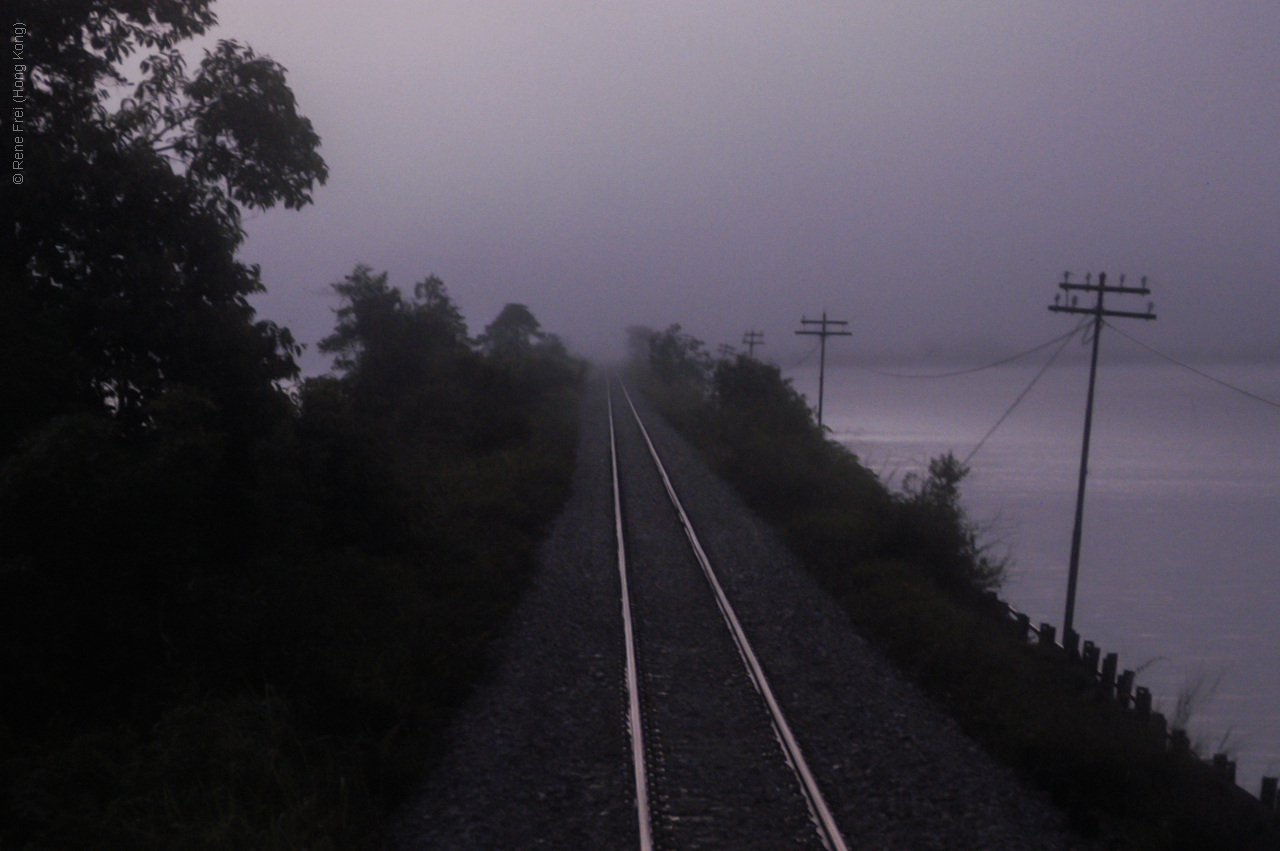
pixel 760 433
pixel 932 530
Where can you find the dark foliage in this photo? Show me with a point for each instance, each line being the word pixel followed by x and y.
pixel 762 435
pixel 125 283
pixel 232 615
pixel 931 530
pixel 311 602
pixel 675 358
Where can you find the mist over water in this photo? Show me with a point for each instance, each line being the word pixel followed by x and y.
pixel 1180 561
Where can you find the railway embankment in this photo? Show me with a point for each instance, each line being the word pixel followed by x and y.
pixel 913 576
pixel 539 756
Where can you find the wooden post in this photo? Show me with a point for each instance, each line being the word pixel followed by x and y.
pixel 1109 663
pixel 1089 656
pixel 1223 768
pixel 822 336
pixel 1124 685
pixel 1179 742
pixel 1071 643
pixel 1097 312
pixel 1142 702
pixel 1023 622
pixel 1268 794
pixel 1159 729
pixel 1047 633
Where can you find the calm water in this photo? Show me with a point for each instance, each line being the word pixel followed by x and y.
pixel 1180 563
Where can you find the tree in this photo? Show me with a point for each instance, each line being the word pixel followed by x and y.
pixel 638 337
pixel 757 393
pixel 126 284
pixel 514 332
pixel 679 358
pixel 371 307
pixel 388 346
pixel 933 528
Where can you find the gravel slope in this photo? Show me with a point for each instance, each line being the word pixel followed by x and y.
pixel 539 758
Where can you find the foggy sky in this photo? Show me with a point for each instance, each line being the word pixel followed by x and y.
pixel 926 171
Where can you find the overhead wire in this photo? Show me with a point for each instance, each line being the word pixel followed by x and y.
pixel 802 360
pixel 1063 340
pixel 1198 372
pixel 973 369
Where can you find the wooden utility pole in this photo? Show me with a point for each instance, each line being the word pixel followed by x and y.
pixel 822 333
pixel 1065 302
pixel 751 339
pixel 726 350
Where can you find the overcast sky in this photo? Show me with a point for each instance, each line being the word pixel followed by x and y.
pixel 926 171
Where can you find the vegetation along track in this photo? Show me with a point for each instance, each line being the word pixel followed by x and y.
pixel 714 758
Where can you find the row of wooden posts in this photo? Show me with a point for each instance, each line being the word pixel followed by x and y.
pixel 1119 686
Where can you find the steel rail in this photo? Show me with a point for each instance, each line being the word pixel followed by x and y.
pixel 634 724
pixel 825 823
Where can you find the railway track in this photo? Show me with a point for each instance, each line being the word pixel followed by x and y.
pixel 541 756
pixel 714 760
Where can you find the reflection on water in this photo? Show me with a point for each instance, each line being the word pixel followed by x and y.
pixel 1180 563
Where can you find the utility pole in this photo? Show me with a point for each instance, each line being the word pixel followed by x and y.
pixel 823 334
pixel 726 350
pixel 751 339
pixel 1068 305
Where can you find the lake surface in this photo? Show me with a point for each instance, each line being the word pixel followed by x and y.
pixel 1180 561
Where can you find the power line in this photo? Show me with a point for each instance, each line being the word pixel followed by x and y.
pixel 803 359
pixel 1063 344
pixel 973 369
pixel 1190 368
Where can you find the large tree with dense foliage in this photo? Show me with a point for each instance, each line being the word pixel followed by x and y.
pixel 135 375
pixel 388 345
pixel 677 357
pixel 514 332
pixel 125 282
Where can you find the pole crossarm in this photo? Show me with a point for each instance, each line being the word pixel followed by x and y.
pixel 1093 311
pixel 824 332
pixel 1102 288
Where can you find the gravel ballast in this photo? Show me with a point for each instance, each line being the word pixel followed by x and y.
pixel 540 756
